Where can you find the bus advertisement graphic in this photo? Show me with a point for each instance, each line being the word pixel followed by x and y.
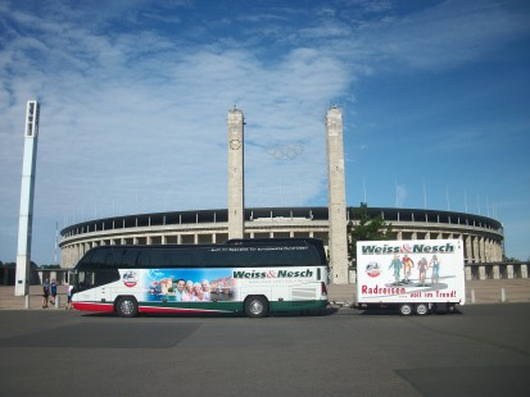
pixel 190 285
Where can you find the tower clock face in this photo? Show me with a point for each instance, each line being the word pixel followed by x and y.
pixel 235 144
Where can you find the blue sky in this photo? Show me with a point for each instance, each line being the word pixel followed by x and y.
pixel 135 96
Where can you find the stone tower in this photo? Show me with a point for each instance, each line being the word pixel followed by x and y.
pixel 25 220
pixel 338 239
pixel 236 186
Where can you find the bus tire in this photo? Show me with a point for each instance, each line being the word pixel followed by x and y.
pixel 405 309
pixel 256 306
pixel 126 306
pixel 422 309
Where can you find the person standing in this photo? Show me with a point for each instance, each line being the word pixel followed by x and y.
pixel 45 293
pixel 69 297
pixel 53 287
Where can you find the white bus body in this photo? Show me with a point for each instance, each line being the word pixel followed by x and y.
pixel 267 275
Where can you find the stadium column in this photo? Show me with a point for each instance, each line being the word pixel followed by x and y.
pixel 236 186
pixel 25 222
pixel 338 239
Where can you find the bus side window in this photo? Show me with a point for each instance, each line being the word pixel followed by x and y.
pixel 104 267
pixel 144 259
pixel 213 258
pixel 161 258
pixel 181 257
pixel 130 259
pixel 85 261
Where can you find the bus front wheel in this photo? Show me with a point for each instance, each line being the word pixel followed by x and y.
pixel 127 307
pixel 256 306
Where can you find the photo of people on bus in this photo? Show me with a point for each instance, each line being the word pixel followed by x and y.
pixel 176 289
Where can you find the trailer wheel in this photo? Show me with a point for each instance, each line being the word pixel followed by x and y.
pixel 127 306
pixel 405 309
pixel 256 306
pixel 422 309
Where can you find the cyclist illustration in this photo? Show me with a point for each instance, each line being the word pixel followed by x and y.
pixel 422 269
pixel 408 264
pixel 397 265
pixel 434 264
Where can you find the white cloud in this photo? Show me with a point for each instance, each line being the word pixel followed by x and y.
pixel 133 115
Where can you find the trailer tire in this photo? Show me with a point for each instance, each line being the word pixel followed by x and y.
pixel 422 309
pixel 126 306
pixel 405 309
pixel 256 306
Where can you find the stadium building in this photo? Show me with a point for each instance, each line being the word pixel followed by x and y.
pixel 482 236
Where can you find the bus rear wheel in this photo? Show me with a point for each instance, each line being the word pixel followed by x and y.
pixel 127 307
pixel 256 306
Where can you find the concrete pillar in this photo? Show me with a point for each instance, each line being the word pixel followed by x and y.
pixel 509 271
pixel 524 271
pixel 469 275
pixel 496 272
pixel 482 250
pixel 498 252
pixel 338 239
pixel 236 187
pixel 482 273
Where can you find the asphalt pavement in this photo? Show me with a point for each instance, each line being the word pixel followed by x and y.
pixel 482 350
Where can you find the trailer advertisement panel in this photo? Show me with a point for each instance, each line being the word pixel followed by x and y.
pixel 411 271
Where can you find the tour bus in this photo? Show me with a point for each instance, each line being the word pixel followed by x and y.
pixel 253 276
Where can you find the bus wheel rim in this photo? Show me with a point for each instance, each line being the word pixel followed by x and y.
pixel 127 307
pixel 256 307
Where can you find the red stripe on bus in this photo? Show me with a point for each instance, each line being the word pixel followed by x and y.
pixel 94 306
pixel 155 309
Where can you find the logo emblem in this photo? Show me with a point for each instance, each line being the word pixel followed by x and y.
pixel 373 269
pixel 129 279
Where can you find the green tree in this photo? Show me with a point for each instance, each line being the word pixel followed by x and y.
pixel 364 227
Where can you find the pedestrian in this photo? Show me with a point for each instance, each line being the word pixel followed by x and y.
pixel 69 297
pixel 45 293
pixel 53 287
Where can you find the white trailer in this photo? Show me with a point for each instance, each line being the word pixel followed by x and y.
pixel 412 276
